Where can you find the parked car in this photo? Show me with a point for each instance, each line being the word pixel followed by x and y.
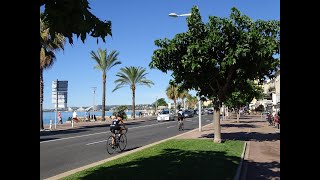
pixel 210 111
pixel 165 115
pixel 188 113
pixel 196 111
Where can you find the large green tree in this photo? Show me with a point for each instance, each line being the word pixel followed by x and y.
pixel 243 95
pixel 215 57
pixel 48 47
pixel 72 17
pixel 105 62
pixel 132 76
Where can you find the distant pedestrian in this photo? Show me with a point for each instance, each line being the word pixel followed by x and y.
pixel 60 117
pixel 94 117
pixel 75 117
pixel 89 115
pixel 86 116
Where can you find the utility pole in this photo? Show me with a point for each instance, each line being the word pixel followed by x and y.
pixel 55 119
pixel 156 104
pixel 199 112
pixel 94 94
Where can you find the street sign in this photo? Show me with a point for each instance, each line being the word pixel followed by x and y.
pixel 60 87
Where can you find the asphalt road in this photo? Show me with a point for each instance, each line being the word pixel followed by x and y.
pixel 62 151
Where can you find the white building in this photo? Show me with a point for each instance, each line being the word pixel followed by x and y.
pixel 271 100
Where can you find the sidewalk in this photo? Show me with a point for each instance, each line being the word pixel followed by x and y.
pixel 262 156
pixel 67 126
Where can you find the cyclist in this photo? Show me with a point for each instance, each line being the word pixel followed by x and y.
pixel 180 117
pixel 115 125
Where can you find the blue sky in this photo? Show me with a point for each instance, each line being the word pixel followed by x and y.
pixel 135 27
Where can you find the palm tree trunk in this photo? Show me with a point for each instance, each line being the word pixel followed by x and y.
pixel 104 77
pixel 133 104
pixel 183 103
pixel 175 106
pixel 216 119
pixel 41 98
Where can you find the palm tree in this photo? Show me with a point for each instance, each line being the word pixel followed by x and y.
pixel 48 47
pixel 132 76
pixel 191 100
pixel 172 93
pixel 104 63
pixel 182 95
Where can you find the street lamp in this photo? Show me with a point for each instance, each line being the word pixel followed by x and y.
pixel 177 15
pixel 94 94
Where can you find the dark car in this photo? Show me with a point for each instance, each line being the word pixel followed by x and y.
pixel 188 113
pixel 210 111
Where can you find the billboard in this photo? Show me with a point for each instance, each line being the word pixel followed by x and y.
pixel 60 87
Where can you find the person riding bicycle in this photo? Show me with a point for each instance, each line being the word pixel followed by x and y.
pixel 116 125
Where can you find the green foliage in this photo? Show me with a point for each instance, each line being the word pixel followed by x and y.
pixel 160 102
pixel 216 57
pixel 132 76
pixel 120 110
pixel 244 94
pixel 72 17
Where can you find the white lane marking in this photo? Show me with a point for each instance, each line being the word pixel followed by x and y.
pixel 97 142
pixel 170 126
pixel 100 133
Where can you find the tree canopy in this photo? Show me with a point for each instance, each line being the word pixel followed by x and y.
pixel 160 102
pixel 212 57
pixel 72 17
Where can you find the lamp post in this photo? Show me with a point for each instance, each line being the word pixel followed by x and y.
pixel 156 104
pixel 94 94
pixel 199 112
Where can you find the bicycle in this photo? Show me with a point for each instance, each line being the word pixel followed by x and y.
pixel 120 141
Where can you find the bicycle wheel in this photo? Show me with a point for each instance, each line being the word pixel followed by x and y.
pixel 122 142
pixel 182 126
pixel 111 148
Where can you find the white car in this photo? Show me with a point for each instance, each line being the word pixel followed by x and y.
pixel 165 115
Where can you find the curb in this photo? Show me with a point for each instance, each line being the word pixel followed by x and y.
pixel 117 156
pixel 237 177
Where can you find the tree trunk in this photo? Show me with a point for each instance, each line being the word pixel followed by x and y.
pixel 238 116
pixel 41 98
pixel 133 103
pixel 104 77
pixel 216 120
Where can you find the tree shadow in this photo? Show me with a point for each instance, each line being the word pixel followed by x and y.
pixel 253 121
pixel 239 125
pixel 259 170
pixel 171 164
pixel 68 131
pixel 47 139
pixel 81 129
pixel 245 136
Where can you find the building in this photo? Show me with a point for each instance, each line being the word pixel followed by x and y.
pixel 271 100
